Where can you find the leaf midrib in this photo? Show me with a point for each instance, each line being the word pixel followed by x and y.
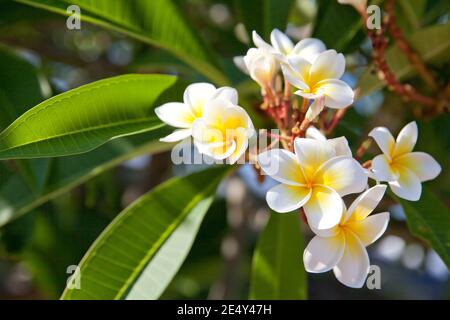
pixel 89 129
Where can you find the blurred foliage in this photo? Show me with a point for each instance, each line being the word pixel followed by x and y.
pixel 60 206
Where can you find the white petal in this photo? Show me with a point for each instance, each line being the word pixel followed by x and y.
pixel 176 114
pixel 324 209
pixel 240 136
pixel 384 139
pixel 406 139
pixel 322 254
pixel 342 174
pixel 293 77
pixel 365 203
pixel 341 146
pixel 283 198
pixel 337 93
pixel 260 43
pixel 226 93
pixel 177 135
pixel 407 186
pixel 371 228
pixel 197 94
pixel 315 108
pixel 311 154
pixel 328 65
pixel 240 63
pixel 217 151
pixel 422 164
pixel 354 265
pixel 282 166
pixel 309 49
pixel 281 42
pixel 314 133
pixel 383 170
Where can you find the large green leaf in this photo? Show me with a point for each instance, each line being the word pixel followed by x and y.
pixel 141 250
pixel 17 198
pixel 277 267
pixel 432 44
pixel 264 15
pixel 156 22
pixel 82 119
pixel 429 219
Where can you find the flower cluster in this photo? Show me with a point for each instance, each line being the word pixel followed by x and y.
pixel 314 173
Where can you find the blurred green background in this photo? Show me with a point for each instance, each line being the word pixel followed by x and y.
pixel 40 57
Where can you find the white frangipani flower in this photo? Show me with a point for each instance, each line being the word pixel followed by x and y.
pixel 402 168
pixel 283 48
pixel 223 130
pixel 261 62
pixel 315 178
pixel 342 248
pixel 319 81
pixel 183 115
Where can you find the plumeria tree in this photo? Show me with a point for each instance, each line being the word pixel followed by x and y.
pixel 294 119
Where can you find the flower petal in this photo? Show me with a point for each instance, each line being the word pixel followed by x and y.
pixel 176 114
pixel 322 254
pixel 365 203
pixel 371 228
pixel 407 186
pixel 422 164
pixel 309 49
pixel 315 108
pixel 406 139
pixel 341 146
pixel 337 93
pixel 314 133
pixel 311 154
pixel 226 93
pixel 342 174
pixel 294 75
pixel 197 94
pixel 328 65
pixel 282 166
pixel 354 265
pixel 324 209
pixel 240 63
pixel 240 136
pixel 177 135
pixel 281 42
pixel 284 198
pixel 260 43
pixel 384 139
pixel 383 170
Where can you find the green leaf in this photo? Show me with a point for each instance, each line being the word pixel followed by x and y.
pixel 264 15
pixel 337 25
pixel 82 119
pixel 432 44
pixel 66 173
pixel 429 219
pixel 277 267
pixel 155 22
pixel 141 250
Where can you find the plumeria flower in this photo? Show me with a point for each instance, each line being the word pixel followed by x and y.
pixel 402 168
pixel 343 247
pixel 223 130
pixel 183 115
pixel 261 62
pixel 283 48
pixel 315 178
pixel 319 81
